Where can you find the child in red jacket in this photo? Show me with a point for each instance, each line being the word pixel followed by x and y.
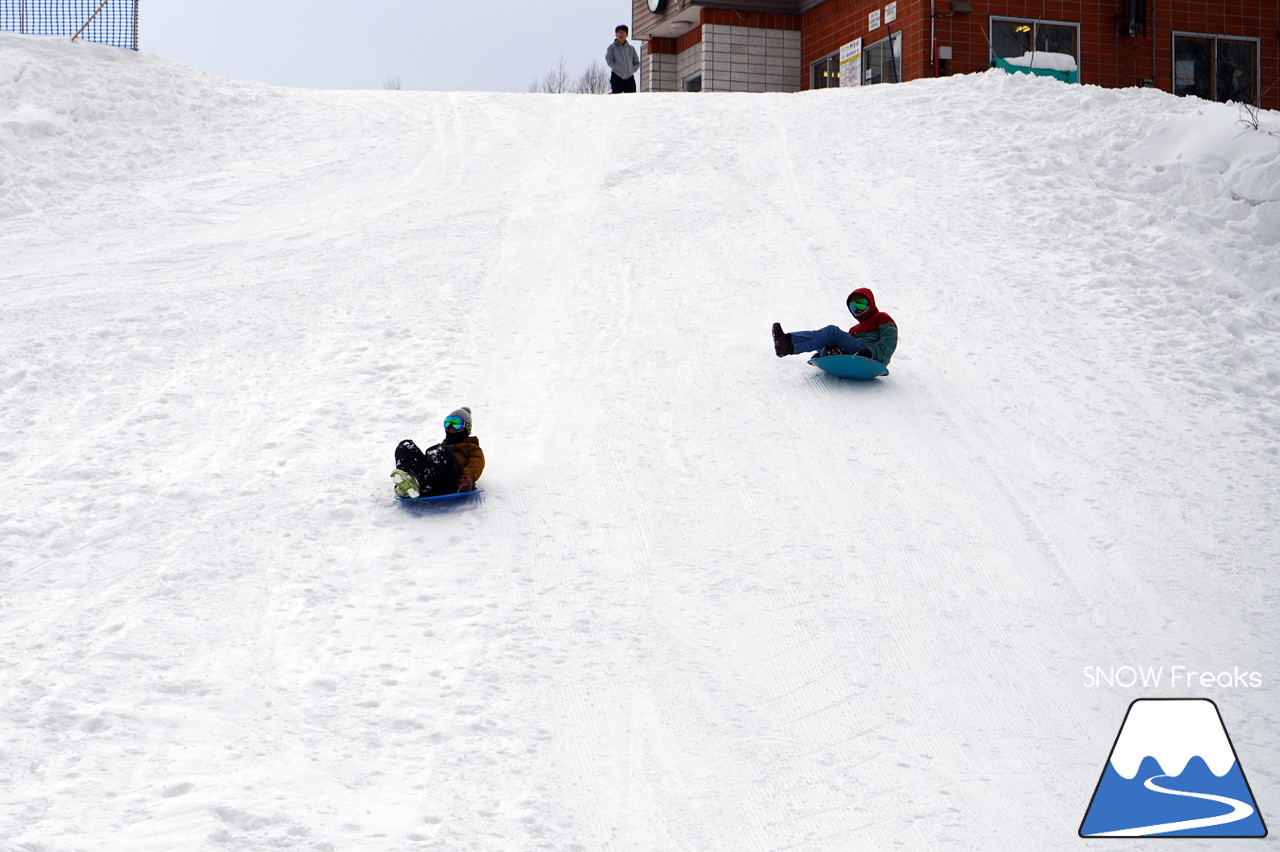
pixel 875 335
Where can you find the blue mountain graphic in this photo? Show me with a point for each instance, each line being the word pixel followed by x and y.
pixel 1121 803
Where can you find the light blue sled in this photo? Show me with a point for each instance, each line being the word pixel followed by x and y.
pixel 849 366
pixel 441 498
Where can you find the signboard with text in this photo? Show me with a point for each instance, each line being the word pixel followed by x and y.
pixel 851 64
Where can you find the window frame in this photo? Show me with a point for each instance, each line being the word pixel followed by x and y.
pixel 874 50
pixel 1214 38
pixel 830 62
pixel 1035 31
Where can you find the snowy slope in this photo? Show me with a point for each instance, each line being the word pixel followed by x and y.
pixel 711 600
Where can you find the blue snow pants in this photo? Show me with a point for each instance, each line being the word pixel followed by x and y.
pixel 813 341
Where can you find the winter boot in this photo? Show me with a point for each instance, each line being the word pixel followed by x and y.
pixel 781 342
pixel 406 483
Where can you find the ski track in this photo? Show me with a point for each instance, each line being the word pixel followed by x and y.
pixel 710 599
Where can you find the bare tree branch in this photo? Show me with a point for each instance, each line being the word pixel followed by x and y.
pixel 594 81
pixel 556 81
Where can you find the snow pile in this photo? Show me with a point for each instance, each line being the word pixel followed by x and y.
pixel 1044 59
pixel 63 106
pixel 710 599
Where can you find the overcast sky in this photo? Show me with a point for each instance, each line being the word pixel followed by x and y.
pixel 464 45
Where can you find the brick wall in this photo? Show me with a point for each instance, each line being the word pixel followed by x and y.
pixel 730 57
pixel 657 70
pixel 1106 57
pixel 746 59
pixel 830 25
pixel 689 62
pixel 665 63
pixel 1247 18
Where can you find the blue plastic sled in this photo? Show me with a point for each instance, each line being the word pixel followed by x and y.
pixel 441 498
pixel 849 366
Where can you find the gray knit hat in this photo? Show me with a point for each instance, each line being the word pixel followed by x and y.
pixel 464 414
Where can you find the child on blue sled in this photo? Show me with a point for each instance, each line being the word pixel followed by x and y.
pixel 450 467
pixel 875 336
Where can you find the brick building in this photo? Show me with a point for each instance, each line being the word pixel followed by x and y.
pixel 1211 48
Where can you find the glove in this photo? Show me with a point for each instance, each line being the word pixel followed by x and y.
pixel 465 483
pixel 862 348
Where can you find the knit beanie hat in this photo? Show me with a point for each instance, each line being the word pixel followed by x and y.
pixel 464 414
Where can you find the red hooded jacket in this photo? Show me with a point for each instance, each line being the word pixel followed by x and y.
pixel 875 328
pixel 873 318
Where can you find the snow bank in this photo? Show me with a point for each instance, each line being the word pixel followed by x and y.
pixel 88 118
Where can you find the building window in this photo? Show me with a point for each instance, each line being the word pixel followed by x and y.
pixel 882 61
pixel 1013 37
pixel 1215 68
pixel 826 72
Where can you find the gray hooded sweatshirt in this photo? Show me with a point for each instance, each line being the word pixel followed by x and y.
pixel 622 59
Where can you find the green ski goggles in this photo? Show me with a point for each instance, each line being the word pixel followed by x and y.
pixel 859 305
pixel 457 424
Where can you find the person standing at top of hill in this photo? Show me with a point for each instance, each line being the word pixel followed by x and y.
pixel 875 336
pixel 623 62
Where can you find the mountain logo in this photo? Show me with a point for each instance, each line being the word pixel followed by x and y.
pixel 1173 772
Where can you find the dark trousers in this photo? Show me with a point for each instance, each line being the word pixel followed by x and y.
pixel 437 470
pixel 620 85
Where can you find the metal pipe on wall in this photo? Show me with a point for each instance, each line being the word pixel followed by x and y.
pixel 933 35
pixel 1151 34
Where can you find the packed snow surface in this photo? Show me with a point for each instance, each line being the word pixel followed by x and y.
pixel 711 599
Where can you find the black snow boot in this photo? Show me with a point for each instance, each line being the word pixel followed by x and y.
pixel 781 342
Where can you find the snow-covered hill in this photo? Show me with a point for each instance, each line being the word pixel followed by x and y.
pixel 711 600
